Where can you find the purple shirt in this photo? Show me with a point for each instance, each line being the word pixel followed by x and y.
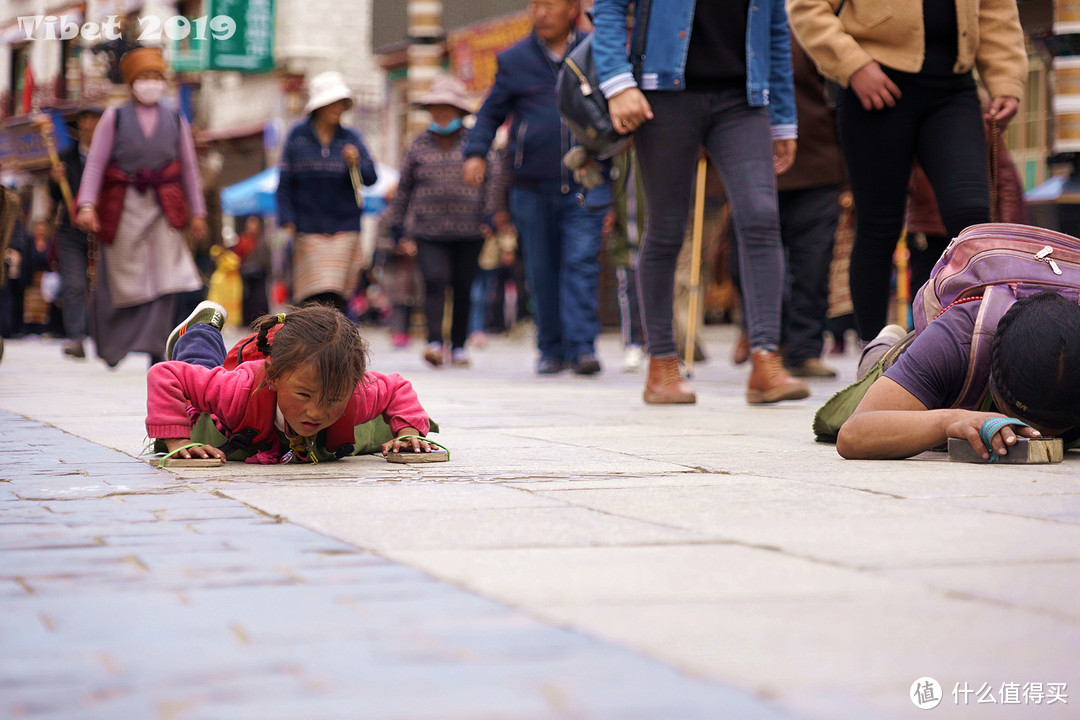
pixel 101 148
pixel 934 367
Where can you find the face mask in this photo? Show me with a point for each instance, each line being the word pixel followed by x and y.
pixel 148 92
pixel 448 129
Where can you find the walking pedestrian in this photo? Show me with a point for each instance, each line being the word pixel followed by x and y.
pixel 558 237
pixel 316 197
pixel 809 199
pixel 906 69
pixel 71 242
pixel 447 217
pixel 716 75
pixel 140 189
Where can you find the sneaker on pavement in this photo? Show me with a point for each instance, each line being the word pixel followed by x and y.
pixel 208 312
pixel 549 366
pixel 399 340
pixel 811 368
pixel 632 358
pixel 460 357
pixel 586 364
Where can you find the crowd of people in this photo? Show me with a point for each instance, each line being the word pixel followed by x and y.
pixel 475 224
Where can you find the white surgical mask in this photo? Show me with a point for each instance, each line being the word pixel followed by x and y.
pixel 148 92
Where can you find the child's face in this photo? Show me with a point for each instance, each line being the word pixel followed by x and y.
pixel 299 395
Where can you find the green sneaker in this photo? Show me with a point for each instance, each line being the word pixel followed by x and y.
pixel 205 312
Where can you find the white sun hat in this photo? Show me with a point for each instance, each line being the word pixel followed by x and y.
pixel 327 88
pixel 448 90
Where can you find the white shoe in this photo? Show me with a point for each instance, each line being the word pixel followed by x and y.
pixel 632 358
pixel 208 312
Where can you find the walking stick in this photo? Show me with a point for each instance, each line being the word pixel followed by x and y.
pixel 44 127
pixel 695 266
pixel 354 175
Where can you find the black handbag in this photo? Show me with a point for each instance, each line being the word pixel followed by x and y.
pixel 582 105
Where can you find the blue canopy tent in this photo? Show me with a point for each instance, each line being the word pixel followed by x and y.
pixel 256 194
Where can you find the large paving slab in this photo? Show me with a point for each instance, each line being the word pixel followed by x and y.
pixel 126 595
pixel 718 539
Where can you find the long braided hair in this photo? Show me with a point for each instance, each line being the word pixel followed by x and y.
pixel 1035 361
pixel 315 335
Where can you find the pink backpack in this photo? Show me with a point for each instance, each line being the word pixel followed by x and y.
pixel 996 264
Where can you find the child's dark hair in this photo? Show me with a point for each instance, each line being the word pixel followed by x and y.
pixel 319 336
pixel 1035 363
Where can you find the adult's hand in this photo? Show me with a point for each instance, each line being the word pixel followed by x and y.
pixel 406 247
pixel 783 155
pixel 874 88
pixel 473 171
pixel 87 219
pixel 967 425
pixel 198 227
pixel 56 172
pixel 1002 109
pixel 629 110
pixel 351 154
pixel 502 221
pixel 290 228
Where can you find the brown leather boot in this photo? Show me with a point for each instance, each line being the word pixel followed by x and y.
pixel 770 382
pixel 666 385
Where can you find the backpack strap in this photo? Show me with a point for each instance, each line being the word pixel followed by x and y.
pixel 996 301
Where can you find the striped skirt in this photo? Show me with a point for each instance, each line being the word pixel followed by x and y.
pixel 326 263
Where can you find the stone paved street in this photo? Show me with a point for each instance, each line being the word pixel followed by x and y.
pixel 581 556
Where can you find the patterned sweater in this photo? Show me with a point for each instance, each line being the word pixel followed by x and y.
pixel 315 191
pixel 432 201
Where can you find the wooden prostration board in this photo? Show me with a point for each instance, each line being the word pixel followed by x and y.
pixel 1026 451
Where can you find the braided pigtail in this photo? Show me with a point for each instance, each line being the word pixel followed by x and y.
pixel 262 327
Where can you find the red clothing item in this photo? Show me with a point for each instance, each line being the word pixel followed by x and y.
pixel 245 245
pixel 164 181
pixel 174 387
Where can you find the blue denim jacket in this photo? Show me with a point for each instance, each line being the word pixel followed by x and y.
pixel 769 80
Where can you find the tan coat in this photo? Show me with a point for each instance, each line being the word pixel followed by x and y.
pixel 891 32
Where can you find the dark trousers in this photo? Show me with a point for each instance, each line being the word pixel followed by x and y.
pixel 738 139
pixel 808 221
pixel 938 121
pixel 630 328
pixel 448 264
pixel 923 260
pixel 200 345
pixel 72 257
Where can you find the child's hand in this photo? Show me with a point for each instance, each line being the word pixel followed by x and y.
pixel 400 444
pixel 199 451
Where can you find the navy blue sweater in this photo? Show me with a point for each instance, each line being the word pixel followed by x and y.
pixel 315 191
pixel 525 88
